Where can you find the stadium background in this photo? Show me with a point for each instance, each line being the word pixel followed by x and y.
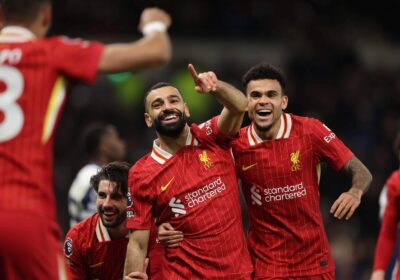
pixel 341 58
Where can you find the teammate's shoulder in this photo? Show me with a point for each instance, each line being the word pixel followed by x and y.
pixel 84 226
pixel 393 182
pixel 141 164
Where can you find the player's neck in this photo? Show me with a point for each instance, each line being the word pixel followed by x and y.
pixel 119 232
pixel 269 134
pixel 173 144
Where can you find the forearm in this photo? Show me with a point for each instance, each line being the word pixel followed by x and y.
pixel 360 175
pixel 136 251
pixel 149 51
pixel 231 98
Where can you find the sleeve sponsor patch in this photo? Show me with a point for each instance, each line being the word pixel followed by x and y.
pixel 68 247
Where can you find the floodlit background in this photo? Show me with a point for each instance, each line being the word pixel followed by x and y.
pixel 341 58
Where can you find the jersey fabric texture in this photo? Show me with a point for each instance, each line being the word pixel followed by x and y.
pixel 196 191
pixel 280 182
pixel 90 252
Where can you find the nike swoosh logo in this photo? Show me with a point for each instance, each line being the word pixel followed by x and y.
pixel 164 187
pixel 245 168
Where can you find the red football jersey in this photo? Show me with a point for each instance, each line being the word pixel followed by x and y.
pixel 32 91
pixel 280 181
pixel 90 252
pixel 388 233
pixel 196 191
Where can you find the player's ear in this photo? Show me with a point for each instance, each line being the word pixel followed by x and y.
pixel 186 110
pixel 285 101
pixel 148 120
pixel 46 16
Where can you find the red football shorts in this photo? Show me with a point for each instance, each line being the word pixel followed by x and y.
pixel 29 248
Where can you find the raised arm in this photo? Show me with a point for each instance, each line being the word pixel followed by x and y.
pixel 153 50
pixel 233 100
pixel 136 251
pixel 348 201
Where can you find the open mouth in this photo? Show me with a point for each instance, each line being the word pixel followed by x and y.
pixel 264 112
pixel 170 117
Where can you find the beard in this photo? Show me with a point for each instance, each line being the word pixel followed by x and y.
pixel 119 218
pixel 263 128
pixel 173 129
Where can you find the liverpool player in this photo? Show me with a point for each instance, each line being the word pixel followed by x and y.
pixel 95 248
pixel 278 159
pixel 189 180
pixel 32 91
pixel 389 229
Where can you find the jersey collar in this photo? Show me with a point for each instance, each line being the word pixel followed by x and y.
pixel 283 132
pixel 11 34
pixel 101 231
pixel 161 156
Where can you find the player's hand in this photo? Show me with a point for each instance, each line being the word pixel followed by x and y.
pixel 154 14
pixel 346 204
pixel 204 82
pixel 168 236
pixel 139 275
pixel 378 275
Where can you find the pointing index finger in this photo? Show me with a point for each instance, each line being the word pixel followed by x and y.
pixel 193 72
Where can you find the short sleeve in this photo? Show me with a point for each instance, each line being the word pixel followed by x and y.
pixel 76 58
pixel 210 128
pixel 139 212
pixel 73 255
pixel 328 146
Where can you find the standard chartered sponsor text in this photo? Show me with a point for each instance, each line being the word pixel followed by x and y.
pixel 285 193
pixel 204 193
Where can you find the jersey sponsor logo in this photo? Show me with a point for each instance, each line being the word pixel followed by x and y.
pixel 205 159
pixel 206 192
pixel 129 199
pixel 294 158
pixel 177 206
pixel 165 187
pixel 130 214
pixel 288 192
pixel 329 137
pixel 207 127
pixel 247 167
pixel 255 196
pixel 68 247
pixel 197 197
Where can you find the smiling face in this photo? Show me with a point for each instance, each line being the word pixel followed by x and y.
pixel 166 110
pixel 266 103
pixel 111 204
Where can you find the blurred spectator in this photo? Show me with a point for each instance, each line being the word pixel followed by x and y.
pixel 102 145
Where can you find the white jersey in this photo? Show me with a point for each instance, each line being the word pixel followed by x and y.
pixel 81 196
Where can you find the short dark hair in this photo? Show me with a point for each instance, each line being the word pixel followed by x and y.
pixel 22 11
pixel 156 86
pixel 116 172
pixel 264 71
pixel 91 137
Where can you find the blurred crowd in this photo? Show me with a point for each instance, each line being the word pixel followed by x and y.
pixel 339 57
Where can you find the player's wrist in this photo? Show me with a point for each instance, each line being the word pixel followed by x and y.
pixel 154 27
